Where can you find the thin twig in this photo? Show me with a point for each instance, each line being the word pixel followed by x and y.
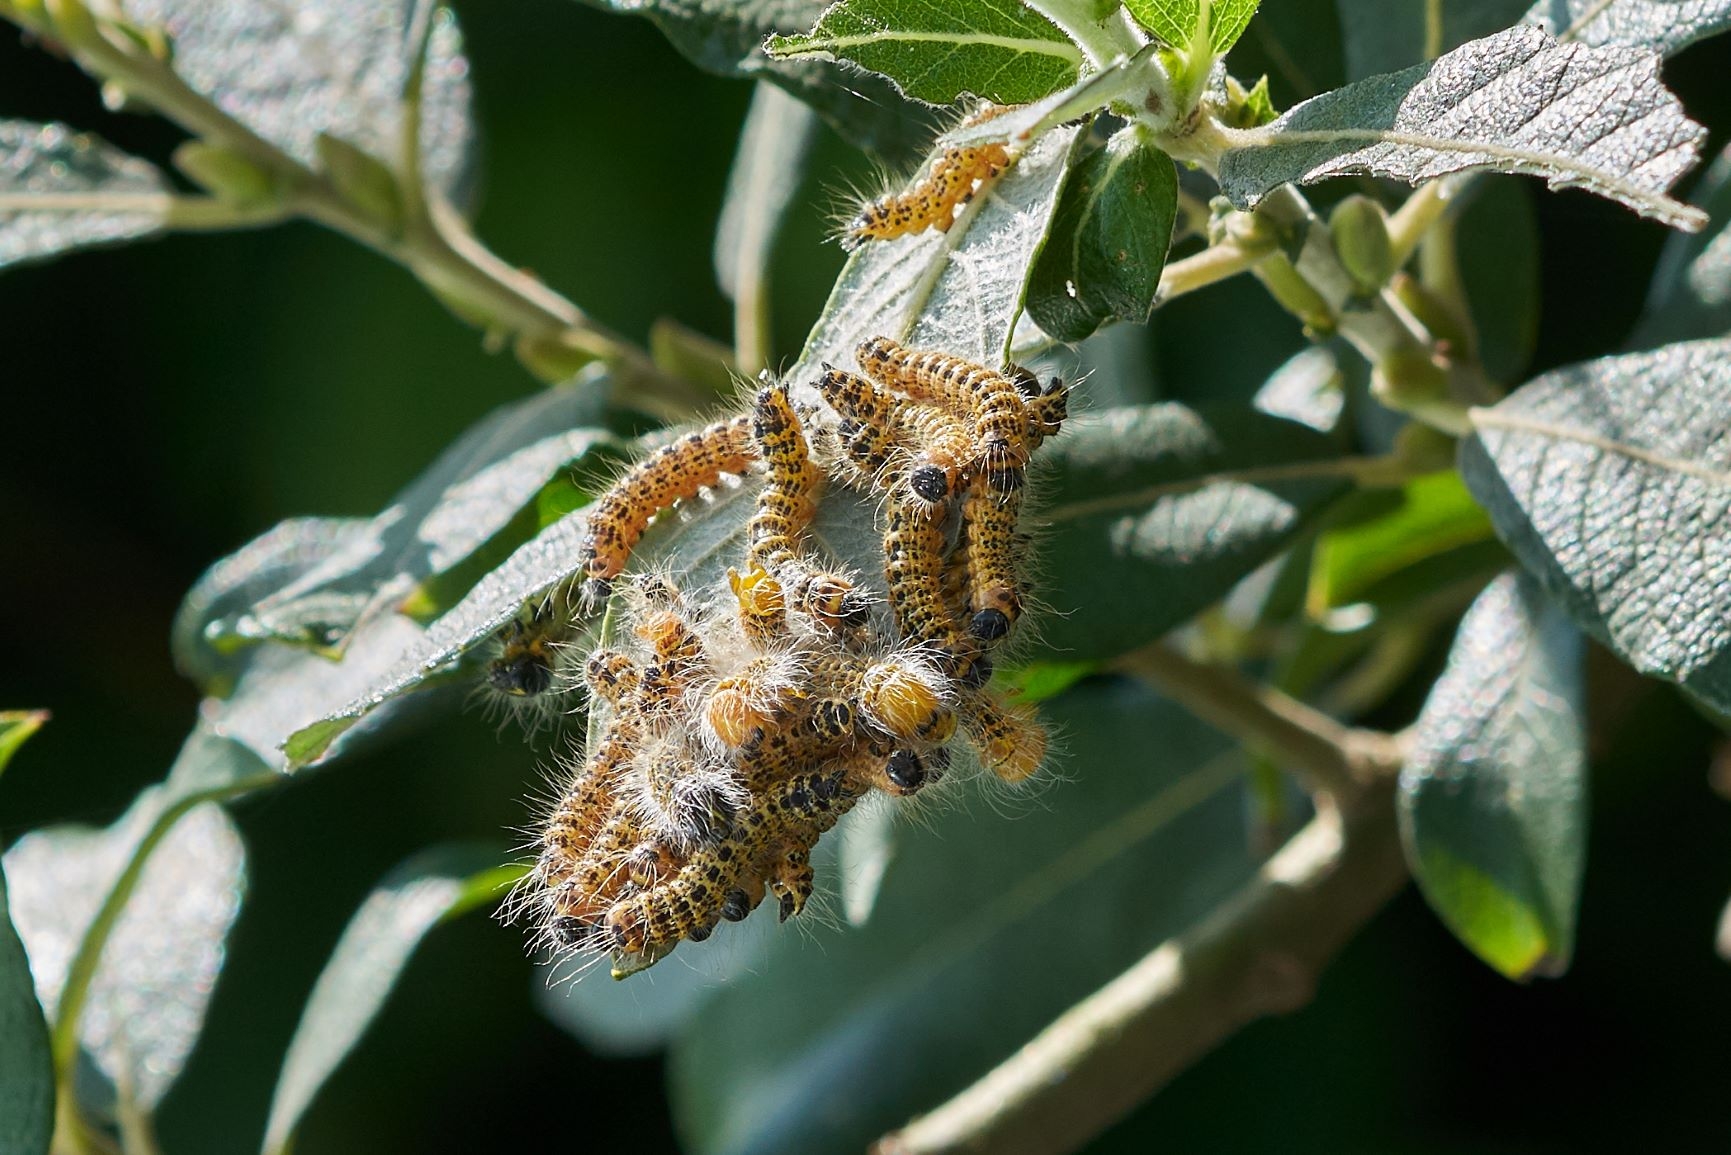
pixel 1259 954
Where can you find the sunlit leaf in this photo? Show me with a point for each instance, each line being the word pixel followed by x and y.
pixel 1174 20
pixel 1434 514
pixel 16 728
pixel 375 948
pixel 1663 25
pixel 61 190
pixel 1611 482
pixel 146 1002
pixel 999 50
pixel 289 73
pixel 26 1071
pixel 983 930
pixel 1518 102
pixel 1156 510
pixel 1493 802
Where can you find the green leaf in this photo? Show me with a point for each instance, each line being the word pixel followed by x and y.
pixel 1155 511
pixel 1108 243
pixel 1310 387
pixel 62 190
pixel 1435 515
pixel 1381 37
pixel 280 588
pixel 1690 297
pixel 1665 26
pixel 144 1005
pixel 1517 102
pixel 16 727
pixel 727 36
pixel 1493 802
pixel 1610 481
pixel 998 50
pixel 432 887
pixel 767 171
pixel 959 291
pixel 1174 20
pixel 983 931
pixel 26 1071
pixel 1497 249
pixel 324 66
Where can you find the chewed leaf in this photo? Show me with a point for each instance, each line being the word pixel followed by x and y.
pixel 1109 240
pixel 1174 20
pixel 291 72
pixel 1156 510
pixel 61 190
pixel 147 1001
pixel 1611 482
pixel 956 965
pixel 1493 802
pixel 999 50
pixel 26 1070
pixel 1665 26
pixel 358 978
pixel 1517 102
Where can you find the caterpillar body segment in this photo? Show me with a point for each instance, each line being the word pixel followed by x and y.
pixel 761 604
pixel 993 403
pixel 990 544
pixel 940 450
pixel 914 570
pixel 677 471
pixel 1010 741
pixel 867 434
pixel 791 485
pixel 953 180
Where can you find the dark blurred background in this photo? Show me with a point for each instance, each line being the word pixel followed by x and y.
pixel 169 401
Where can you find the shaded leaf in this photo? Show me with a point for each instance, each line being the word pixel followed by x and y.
pixel 984 930
pixel 1109 239
pixel 1174 20
pixel 1665 26
pixel 1156 510
pixel 375 947
pixel 1380 37
pixel 1497 248
pixel 1434 515
pixel 146 1000
pixel 1517 102
pixel 26 1071
pixel 1493 802
pixel 767 171
pixel 1690 297
pixel 726 37
pixel 1611 481
pixel 292 72
pixel 61 190
pixel 867 843
pixel 998 50
pixel 16 727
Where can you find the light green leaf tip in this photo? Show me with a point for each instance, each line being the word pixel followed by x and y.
pixel 16 728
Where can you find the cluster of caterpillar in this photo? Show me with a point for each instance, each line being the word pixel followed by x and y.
pixel 733 727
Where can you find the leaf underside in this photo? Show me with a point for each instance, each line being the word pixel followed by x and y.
pixel 1666 26
pixel 61 190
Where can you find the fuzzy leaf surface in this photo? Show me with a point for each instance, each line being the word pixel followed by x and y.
pixel 1174 20
pixel 1517 102
pixel 957 965
pixel 62 190
pixel 1109 240
pixel 148 997
pixel 1665 26
pixel 375 947
pixel 1155 511
pixel 26 1070
pixel 1493 803
pixel 1611 482
pixel 291 72
pixel 999 50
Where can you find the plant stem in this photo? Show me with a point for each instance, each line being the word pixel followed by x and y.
pixel 1259 954
pixel 1408 225
pixel 1332 757
pixel 1210 266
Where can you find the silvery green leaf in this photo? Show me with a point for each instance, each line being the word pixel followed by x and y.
pixel 767 171
pixel 1309 388
pixel 61 190
pixel 999 50
pixel 1691 293
pixel 1493 801
pixel 1517 102
pixel 147 999
pixel 1665 26
pixel 289 72
pixel 1611 482
pixel 361 972
pixel 26 1071
pixel 1380 37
